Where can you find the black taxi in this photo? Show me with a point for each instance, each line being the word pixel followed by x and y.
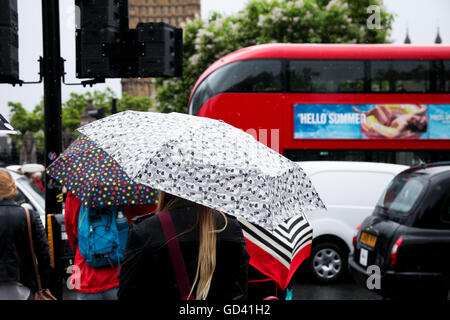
pixel 403 249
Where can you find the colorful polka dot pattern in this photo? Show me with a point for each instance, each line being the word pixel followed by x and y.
pixel 96 178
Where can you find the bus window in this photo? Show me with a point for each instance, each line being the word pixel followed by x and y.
pixel 248 76
pixel 340 76
pixel 243 76
pixel 400 76
pixel 446 78
pixel 409 157
pixel 202 94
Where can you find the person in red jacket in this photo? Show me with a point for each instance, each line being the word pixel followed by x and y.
pixel 94 283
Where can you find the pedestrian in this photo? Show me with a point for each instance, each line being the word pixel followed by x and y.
pixel 37 180
pixel 93 283
pixel 17 274
pixel 212 247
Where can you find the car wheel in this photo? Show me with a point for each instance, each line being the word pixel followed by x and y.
pixel 328 262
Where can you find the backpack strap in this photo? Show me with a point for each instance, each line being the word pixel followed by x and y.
pixel 175 253
pixel 84 210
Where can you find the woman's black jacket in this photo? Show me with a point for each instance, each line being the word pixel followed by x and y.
pixel 147 271
pixel 16 263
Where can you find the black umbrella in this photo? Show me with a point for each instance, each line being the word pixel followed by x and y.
pixel 5 127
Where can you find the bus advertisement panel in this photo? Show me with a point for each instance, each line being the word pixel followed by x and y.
pixel 372 121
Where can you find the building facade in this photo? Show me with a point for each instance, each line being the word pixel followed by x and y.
pixel 174 12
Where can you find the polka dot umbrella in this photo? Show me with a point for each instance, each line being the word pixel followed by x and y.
pixel 96 178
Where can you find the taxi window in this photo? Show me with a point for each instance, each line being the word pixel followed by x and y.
pixel 402 194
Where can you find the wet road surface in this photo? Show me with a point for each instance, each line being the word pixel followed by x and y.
pixel 345 290
pixel 304 289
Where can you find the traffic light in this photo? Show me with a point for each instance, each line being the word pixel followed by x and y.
pixel 9 42
pixel 163 50
pixel 100 25
pixel 100 14
pixel 107 48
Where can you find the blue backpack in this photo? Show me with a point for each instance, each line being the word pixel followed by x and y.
pixel 102 235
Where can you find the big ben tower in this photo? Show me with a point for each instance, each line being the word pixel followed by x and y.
pixel 174 12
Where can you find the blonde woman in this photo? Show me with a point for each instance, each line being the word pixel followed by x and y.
pixel 17 275
pixel 212 246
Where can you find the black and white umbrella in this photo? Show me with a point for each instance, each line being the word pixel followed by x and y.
pixel 5 127
pixel 279 253
pixel 208 162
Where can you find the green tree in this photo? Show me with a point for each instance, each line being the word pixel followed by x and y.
pixel 25 121
pixel 129 102
pixel 72 110
pixel 266 21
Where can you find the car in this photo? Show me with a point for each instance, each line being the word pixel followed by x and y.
pixel 349 191
pixel 28 194
pixel 406 240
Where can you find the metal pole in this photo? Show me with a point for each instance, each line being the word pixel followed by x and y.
pixel 52 74
pixel 114 106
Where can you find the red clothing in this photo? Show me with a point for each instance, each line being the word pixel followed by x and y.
pixel 39 184
pixel 93 280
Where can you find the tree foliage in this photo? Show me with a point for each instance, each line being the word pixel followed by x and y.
pixel 266 21
pixel 25 121
pixel 72 111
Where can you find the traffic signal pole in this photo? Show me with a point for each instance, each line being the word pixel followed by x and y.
pixel 52 72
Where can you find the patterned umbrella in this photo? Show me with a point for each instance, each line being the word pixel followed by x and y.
pixel 278 254
pixel 208 162
pixel 5 127
pixel 96 178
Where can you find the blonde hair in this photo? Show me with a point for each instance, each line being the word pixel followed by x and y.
pixel 206 224
pixel 8 189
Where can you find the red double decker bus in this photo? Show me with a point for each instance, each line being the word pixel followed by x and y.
pixel 379 103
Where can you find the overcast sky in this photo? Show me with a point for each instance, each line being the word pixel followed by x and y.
pixel 421 16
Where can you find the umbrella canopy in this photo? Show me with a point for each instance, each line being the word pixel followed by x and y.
pixel 5 127
pixel 208 162
pixel 278 254
pixel 97 179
